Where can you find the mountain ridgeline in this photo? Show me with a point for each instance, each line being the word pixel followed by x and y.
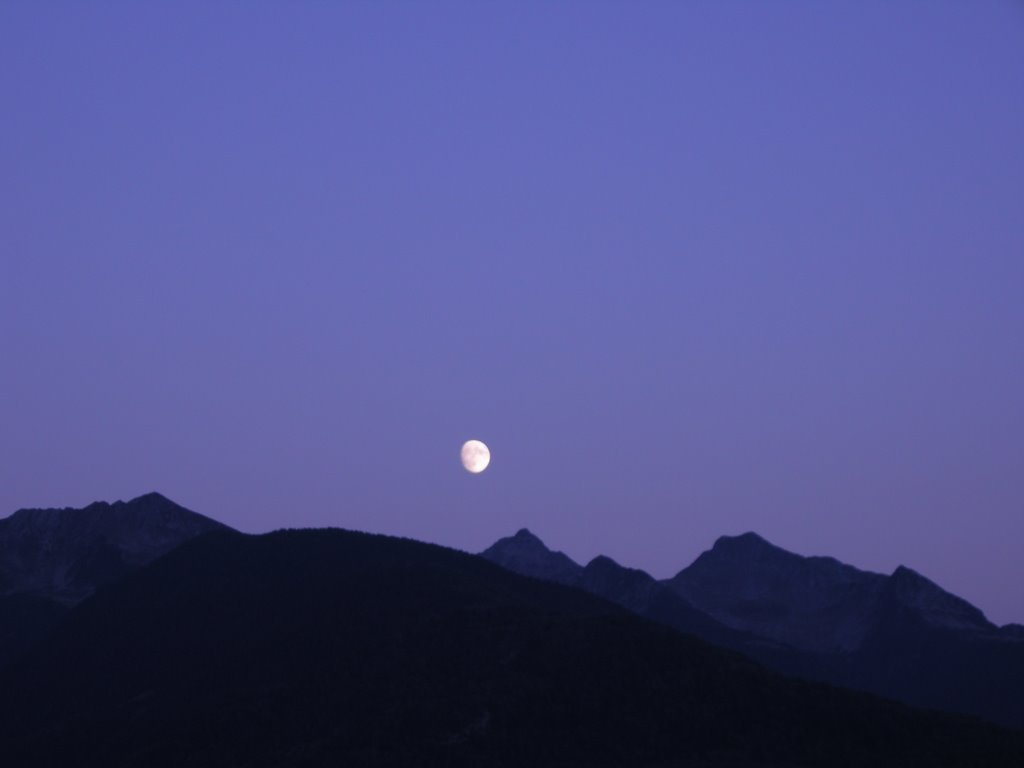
pixel 141 634
pixel 900 635
pixel 328 647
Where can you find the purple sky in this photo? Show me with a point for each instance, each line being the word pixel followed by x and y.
pixel 689 268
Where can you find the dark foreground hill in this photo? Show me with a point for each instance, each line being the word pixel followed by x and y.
pixel 900 636
pixel 51 559
pixel 334 648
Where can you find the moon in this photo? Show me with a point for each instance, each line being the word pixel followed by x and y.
pixel 475 456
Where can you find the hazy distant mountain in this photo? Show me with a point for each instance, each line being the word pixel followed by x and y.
pixel 319 648
pixel 933 604
pixel 899 635
pixel 51 559
pixel 526 554
pixel 813 603
pixel 637 591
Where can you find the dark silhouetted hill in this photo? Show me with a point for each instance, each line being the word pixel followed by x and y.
pixel 317 648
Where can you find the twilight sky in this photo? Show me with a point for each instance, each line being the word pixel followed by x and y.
pixel 689 268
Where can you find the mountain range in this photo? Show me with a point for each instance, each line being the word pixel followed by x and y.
pixel 900 635
pixel 185 642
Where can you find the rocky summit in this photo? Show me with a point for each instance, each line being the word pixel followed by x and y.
pixel 51 559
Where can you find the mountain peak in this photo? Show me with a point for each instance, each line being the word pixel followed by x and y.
pixel 152 501
pixel 746 545
pixel 748 539
pixel 932 602
pixel 525 553
pixel 750 584
pixel 64 554
pixel 526 536
pixel 153 497
pixel 908 575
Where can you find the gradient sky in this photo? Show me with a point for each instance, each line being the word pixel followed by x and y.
pixel 689 268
